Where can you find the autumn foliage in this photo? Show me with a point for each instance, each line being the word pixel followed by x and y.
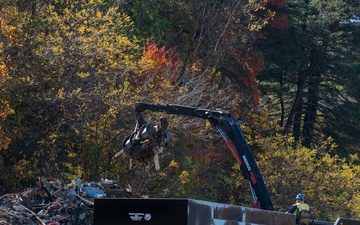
pixel 160 57
pixel 253 64
pixel 70 74
pixel 276 3
pixel 279 19
pixel 7 31
pixel 4 140
pixel 161 64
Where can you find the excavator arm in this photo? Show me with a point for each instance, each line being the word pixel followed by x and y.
pixel 230 130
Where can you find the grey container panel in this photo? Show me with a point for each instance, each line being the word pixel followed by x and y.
pixel 204 212
pixel 227 222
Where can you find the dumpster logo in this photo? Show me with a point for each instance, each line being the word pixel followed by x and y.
pixel 140 216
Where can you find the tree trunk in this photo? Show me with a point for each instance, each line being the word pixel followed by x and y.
pixel 297 105
pixel 294 118
pixel 297 120
pixel 311 109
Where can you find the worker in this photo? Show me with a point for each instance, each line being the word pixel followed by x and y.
pixel 300 209
pixel 299 205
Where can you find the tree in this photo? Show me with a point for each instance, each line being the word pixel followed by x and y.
pixel 11 22
pixel 151 18
pixel 209 37
pixel 68 89
pixel 314 173
pixel 4 76
pixel 316 59
pixel 73 92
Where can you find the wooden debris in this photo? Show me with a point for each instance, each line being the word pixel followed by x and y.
pixel 65 204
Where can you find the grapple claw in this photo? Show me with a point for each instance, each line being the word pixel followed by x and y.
pixel 147 140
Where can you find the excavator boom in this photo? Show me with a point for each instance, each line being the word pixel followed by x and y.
pixel 230 130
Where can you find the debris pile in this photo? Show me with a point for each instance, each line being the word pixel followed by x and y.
pixel 55 203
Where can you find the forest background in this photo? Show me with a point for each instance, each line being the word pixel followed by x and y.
pixel 72 70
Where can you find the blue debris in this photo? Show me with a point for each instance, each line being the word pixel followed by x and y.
pixel 93 192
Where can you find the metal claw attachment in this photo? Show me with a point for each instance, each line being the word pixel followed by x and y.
pixel 147 140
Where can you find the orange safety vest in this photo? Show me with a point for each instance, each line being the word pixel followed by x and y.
pixel 300 207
